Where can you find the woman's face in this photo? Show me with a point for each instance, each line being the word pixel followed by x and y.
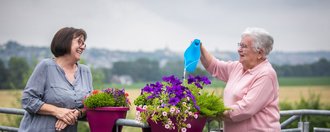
pixel 78 46
pixel 247 55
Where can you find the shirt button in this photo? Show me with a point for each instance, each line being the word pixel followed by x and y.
pixel 75 100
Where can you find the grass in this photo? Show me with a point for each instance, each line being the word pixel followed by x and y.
pixel 304 81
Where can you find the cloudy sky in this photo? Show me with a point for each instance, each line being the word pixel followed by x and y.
pixel 131 25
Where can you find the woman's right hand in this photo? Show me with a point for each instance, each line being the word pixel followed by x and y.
pixel 66 115
pixel 60 125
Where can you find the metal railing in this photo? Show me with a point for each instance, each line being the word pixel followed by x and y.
pixel 303 126
pixel 119 122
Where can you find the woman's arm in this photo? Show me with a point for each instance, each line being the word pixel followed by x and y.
pixel 64 114
pixel 206 57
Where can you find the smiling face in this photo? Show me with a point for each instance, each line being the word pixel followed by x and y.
pixel 247 54
pixel 77 47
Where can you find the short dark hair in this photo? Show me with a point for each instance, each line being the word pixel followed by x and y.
pixel 62 40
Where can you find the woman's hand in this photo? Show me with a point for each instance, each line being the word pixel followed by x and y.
pixel 67 115
pixel 77 113
pixel 226 115
pixel 64 114
pixel 60 125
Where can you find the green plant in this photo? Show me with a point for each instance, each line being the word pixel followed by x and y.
pixel 107 97
pixel 173 99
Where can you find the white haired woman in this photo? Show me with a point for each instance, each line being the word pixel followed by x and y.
pixel 251 84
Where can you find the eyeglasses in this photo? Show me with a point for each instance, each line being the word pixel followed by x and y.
pixel 242 45
pixel 81 43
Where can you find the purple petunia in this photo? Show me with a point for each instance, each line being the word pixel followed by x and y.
pixel 172 80
pixel 175 90
pixel 174 101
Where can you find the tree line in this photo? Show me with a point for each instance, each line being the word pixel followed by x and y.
pixel 319 68
pixel 15 73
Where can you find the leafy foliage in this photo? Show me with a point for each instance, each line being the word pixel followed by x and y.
pixel 108 97
pixel 210 104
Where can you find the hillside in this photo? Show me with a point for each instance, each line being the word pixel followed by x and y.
pixel 105 58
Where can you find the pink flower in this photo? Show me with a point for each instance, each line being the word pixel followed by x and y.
pixel 167 126
pixel 196 116
pixel 169 122
pixel 137 113
pixel 183 129
pixel 144 107
pixel 188 125
pixel 177 111
pixel 172 110
pixel 164 113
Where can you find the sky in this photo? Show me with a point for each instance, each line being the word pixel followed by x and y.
pixel 148 25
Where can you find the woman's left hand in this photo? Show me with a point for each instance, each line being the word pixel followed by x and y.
pixel 226 115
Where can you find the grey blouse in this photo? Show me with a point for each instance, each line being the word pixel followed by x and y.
pixel 48 84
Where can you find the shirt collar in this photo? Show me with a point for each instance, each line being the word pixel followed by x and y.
pixel 254 69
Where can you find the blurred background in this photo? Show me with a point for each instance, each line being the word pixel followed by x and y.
pixel 133 42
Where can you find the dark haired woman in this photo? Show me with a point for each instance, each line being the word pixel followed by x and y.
pixel 53 94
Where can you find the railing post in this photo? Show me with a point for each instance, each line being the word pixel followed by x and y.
pixel 304 126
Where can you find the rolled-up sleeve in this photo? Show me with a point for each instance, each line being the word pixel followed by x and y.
pixel 34 90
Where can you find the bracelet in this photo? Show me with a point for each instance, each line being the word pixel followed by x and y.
pixel 81 114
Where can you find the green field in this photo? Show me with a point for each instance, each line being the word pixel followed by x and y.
pixel 304 81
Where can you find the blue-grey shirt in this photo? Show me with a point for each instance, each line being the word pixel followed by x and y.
pixel 48 84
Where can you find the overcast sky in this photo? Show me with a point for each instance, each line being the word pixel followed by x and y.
pixel 131 25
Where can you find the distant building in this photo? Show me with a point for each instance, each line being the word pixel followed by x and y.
pixel 122 79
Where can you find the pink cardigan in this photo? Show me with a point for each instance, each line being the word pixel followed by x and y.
pixel 252 96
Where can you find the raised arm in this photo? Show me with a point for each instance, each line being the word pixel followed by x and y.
pixel 206 57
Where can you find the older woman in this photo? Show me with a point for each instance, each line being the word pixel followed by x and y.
pixel 54 92
pixel 251 84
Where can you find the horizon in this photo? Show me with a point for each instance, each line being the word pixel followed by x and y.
pixel 296 25
pixel 120 50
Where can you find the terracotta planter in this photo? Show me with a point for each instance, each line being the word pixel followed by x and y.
pixel 197 125
pixel 103 119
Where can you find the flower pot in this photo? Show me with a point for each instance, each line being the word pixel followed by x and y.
pixel 103 119
pixel 197 125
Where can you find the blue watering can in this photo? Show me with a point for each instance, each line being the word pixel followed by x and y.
pixel 192 55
